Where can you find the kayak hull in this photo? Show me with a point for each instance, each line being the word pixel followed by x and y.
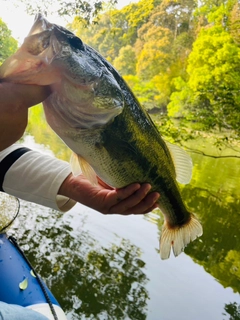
pixel 20 286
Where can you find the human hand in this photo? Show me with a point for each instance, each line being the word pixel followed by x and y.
pixel 133 199
pixel 15 99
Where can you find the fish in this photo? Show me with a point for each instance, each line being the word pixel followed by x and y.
pixel 93 110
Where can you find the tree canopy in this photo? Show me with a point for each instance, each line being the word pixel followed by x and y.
pixel 177 56
pixel 8 45
pixel 180 57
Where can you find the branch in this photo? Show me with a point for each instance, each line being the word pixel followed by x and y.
pixel 209 155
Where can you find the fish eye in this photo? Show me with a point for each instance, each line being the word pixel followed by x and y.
pixel 75 42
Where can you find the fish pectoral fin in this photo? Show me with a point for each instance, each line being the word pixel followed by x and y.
pixel 178 237
pixel 182 163
pixel 75 165
pixel 80 165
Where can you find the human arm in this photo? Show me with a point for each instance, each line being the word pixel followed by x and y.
pixel 133 199
pixel 45 180
pixel 15 99
pixel 33 176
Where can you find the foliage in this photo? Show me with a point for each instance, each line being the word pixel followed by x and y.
pixel 125 63
pixel 214 76
pixel 235 23
pixel 180 57
pixel 87 10
pixel 8 45
pixel 233 309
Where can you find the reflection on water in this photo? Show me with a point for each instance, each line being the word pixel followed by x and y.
pixel 102 267
pixel 219 212
pixel 88 280
pixel 232 309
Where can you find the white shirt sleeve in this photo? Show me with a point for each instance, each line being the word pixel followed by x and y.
pixel 37 177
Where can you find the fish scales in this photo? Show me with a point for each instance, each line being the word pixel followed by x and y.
pixel 96 114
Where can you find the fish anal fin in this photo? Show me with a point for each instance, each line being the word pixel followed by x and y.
pixel 182 163
pixel 80 165
pixel 179 237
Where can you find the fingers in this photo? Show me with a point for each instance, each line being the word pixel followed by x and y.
pixel 125 193
pixel 146 205
pixel 137 202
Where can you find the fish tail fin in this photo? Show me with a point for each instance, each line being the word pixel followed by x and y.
pixel 178 237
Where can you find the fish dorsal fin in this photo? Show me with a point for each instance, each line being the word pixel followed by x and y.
pixel 182 162
pixel 80 165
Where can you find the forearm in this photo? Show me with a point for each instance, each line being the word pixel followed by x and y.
pixel 15 100
pixel 36 177
pixel 15 96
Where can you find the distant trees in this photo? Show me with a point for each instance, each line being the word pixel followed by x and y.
pixel 8 45
pixel 181 57
pixel 214 77
pixel 212 92
pixel 176 56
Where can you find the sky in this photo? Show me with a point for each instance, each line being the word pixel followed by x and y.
pixel 19 22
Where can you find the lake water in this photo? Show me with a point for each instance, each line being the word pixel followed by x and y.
pixel 108 267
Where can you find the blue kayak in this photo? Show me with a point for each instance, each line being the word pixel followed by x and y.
pixel 21 285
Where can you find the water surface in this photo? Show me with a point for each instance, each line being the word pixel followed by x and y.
pixel 108 267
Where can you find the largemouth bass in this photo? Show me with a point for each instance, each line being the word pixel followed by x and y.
pixel 95 113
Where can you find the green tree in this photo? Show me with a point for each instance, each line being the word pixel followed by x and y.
pixel 155 56
pixel 125 63
pixel 180 100
pixel 233 309
pixel 214 76
pixel 176 15
pixel 8 45
pixel 234 23
pixel 146 92
pixel 84 9
pixel 114 28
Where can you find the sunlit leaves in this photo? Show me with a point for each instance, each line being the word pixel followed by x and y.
pixel 8 45
pixel 235 23
pixel 151 44
pixel 214 69
pixel 155 56
pixel 87 10
pixel 125 63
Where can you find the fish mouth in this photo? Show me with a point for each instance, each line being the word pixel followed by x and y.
pixel 44 29
pixel 30 64
pixel 40 24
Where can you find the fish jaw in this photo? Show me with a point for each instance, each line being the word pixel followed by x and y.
pixel 31 64
pixel 24 68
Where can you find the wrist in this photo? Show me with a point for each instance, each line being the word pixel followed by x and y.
pixel 70 187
